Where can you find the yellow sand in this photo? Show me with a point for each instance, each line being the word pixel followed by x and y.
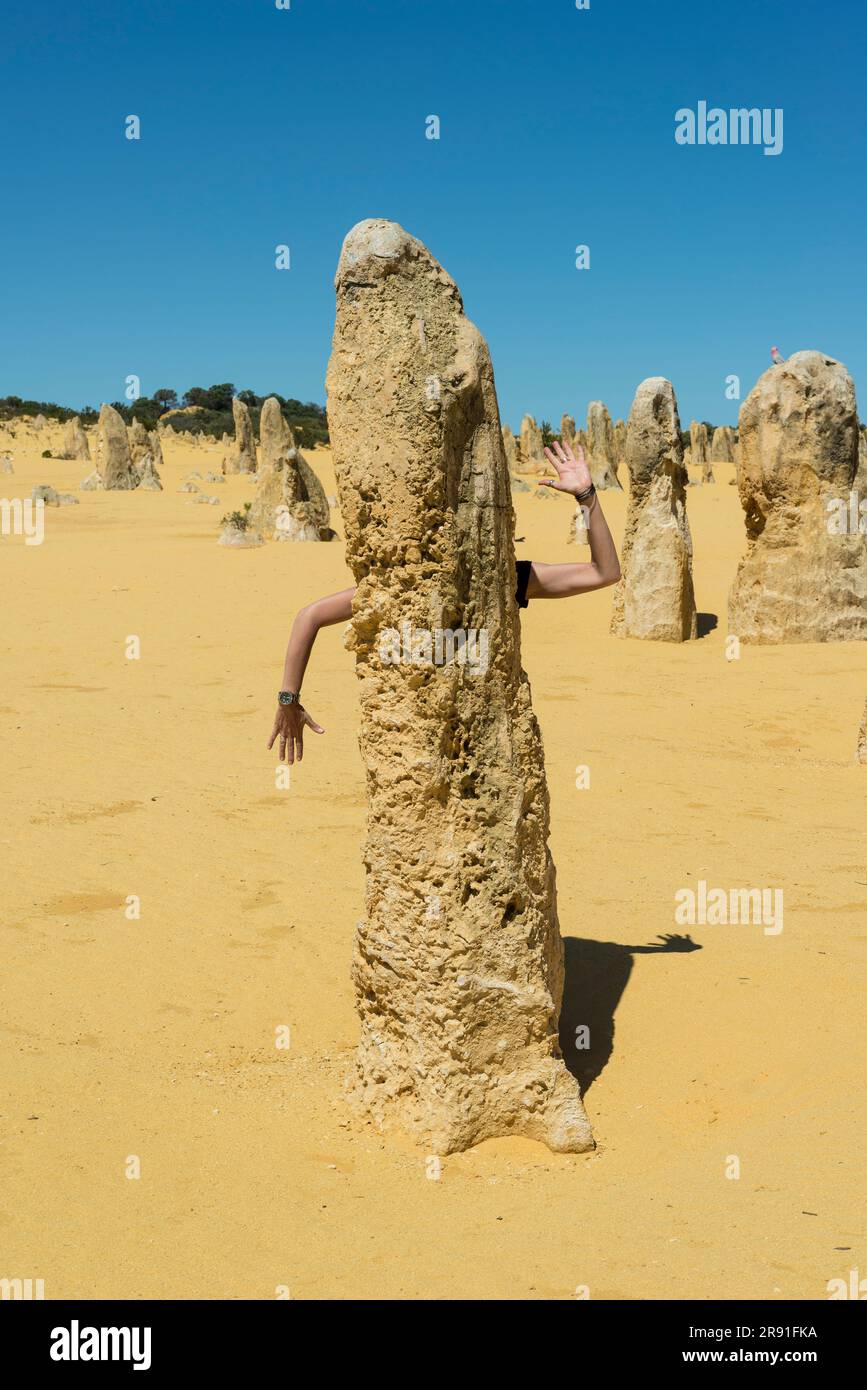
pixel 156 1037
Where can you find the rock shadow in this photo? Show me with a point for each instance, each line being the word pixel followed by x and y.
pixel 597 973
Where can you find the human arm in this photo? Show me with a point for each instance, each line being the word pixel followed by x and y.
pixel 603 567
pixel 291 720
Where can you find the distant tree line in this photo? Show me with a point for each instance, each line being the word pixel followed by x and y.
pixel 212 413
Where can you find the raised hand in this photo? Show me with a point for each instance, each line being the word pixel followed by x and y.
pixel 289 724
pixel 573 475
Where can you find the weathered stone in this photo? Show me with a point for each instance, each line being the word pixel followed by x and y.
pixel 243 458
pixel 113 460
pixel 75 445
pixel 620 433
pixel 238 538
pixel 39 422
pixel 699 449
pixel 862 737
pixel 458 965
pixel 52 498
pixel 6 465
pixel 601 458
pixel 283 507
pixel 137 437
pixel 567 430
pixel 145 450
pixel 721 449
pixel 510 448
pixel 156 448
pixel 654 599
pixel 799 580
pixel 148 478
pixel 578 534
pixel 92 483
pixel 698 442
pixel 531 454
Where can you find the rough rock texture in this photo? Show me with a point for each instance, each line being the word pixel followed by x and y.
pixel 567 430
pixel 510 448
pixel 39 422
pixel 146 453
pixel 243 458
pixel 44 492
pixel 578 534
pixel 798 436
pixel 137 436
pixel 530 448
pixel 620 433
pixel 722 445
pixel 458 965
pixel 92 483
pixel 655 599
pixel 698 443
pixel 238 538
pixel 113 461
pixel 861 475
pixel 283 508
pixel 75 445
pixel 600 447
pixel 862 737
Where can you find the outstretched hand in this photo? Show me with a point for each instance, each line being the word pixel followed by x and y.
pixel 289 724
pixel 573 474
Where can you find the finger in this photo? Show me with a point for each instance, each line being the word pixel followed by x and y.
pixel 552 459
pixel 290 750
pixel 299 746
pixel 272 738
pixel 561 456
pixel 311 724
pixel 282 748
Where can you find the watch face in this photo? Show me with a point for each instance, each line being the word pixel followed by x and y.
pixel 286 697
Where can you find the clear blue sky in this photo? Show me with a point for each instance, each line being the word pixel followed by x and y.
pixel 262 126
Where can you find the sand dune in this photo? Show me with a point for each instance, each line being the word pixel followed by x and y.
pixel 156 1037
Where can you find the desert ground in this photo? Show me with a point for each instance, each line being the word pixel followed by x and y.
pixel 155 1038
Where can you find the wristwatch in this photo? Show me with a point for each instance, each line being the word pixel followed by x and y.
pixel 287 697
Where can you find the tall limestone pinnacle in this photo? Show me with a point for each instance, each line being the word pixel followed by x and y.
pixel 243 457
pixel 601 447
pixel 114 461
pixel 290 504
pixel 458 963
pixel 655 598
pixel 803 578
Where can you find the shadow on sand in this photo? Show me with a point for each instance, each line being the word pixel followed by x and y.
pixel 597 973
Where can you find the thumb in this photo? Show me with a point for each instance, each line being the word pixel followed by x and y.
pixel 317 728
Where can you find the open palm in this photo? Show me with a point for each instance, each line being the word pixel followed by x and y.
pixel 573 475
